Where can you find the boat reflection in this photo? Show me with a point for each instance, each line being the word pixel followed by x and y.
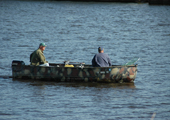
pixel 100 85
pixel 78 84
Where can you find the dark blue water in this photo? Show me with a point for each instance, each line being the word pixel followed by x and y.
pixel 73 31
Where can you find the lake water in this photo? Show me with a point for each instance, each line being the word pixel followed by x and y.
pixel 73 31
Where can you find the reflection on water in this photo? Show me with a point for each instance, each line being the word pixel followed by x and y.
pixel 79 84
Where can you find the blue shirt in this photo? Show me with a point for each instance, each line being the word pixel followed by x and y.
pixel 101 60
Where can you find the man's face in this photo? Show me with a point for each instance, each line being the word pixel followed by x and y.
pixel 42 48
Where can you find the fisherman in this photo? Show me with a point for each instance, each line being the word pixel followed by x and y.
pixel 101 59
pixel 37 57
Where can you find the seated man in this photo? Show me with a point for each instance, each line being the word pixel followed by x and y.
pixel 101 59
pixel 37 57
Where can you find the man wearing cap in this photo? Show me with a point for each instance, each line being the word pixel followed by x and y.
pixel 101 59
pixel 37 57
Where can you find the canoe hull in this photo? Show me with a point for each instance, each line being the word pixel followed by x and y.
pixel 57 72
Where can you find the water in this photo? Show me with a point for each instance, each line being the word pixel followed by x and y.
pixel 73 31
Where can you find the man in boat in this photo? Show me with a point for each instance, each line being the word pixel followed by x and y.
pixel 101 59
pixel 37 57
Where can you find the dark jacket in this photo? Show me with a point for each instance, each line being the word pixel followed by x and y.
pixel 101 60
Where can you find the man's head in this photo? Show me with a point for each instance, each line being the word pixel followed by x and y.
pixel 42 46
pixel 101 49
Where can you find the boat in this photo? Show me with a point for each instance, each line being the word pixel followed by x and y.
pixel 74 72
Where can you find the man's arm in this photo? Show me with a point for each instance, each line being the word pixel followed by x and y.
pixel 110 64
pixel 42 58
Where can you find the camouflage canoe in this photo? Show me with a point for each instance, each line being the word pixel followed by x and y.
pixel 74 72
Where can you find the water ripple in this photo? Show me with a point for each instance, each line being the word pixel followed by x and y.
pixel 73 31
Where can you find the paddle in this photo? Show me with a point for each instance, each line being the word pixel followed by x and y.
pixel 132 61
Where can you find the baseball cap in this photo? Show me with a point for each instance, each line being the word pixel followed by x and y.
pixel 100 48
pixel 43 44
